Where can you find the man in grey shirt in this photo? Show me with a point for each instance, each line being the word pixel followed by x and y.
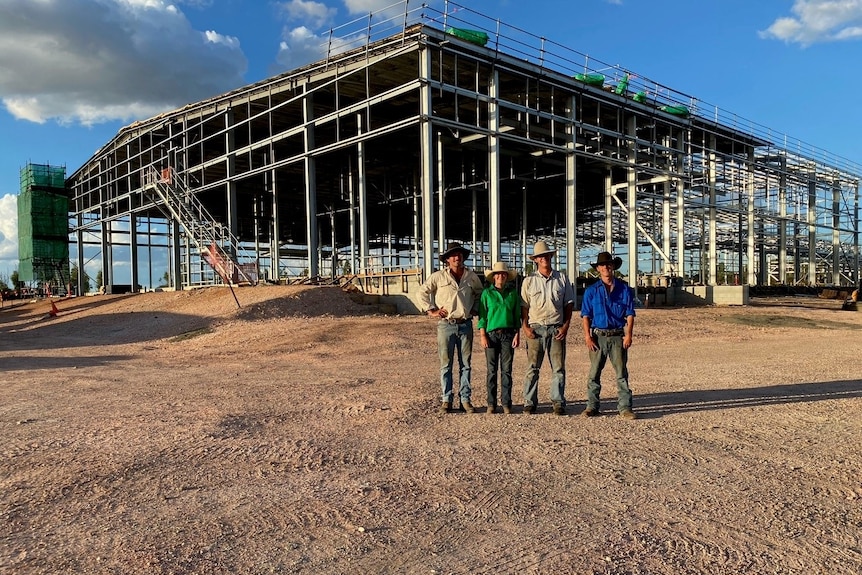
pixel 452 296
pixel 547 300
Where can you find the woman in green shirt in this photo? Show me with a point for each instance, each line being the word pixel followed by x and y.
pixel 499 323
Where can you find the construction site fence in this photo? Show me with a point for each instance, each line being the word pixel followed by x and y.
pixel 389 281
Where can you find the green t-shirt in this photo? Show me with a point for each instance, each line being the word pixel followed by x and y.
pixel 500 309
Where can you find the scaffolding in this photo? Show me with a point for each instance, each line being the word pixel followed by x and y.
pixel 409 133
pixel 43 227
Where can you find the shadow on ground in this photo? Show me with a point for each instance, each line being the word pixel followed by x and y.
pixel 658 404
pixel 31 363
pixel 99 330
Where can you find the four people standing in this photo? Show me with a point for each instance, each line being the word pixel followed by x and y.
pixel 454 295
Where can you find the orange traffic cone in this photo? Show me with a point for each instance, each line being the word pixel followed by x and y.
pixel 54 311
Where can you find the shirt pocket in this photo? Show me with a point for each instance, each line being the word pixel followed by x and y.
pixel 617 309
pixel 559 293
pixel 535 293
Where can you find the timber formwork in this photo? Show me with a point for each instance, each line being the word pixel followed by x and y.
pixel 406 136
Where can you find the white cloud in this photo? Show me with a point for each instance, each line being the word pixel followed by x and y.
pixel 383 10
pixel 849 33
pixel 8 233
pixel 300 46
pixel 216 38
pixel 818 21
pixel 366 6
pixel 314 14
pixel 88 61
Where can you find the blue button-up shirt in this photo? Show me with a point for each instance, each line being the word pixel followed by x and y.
pixel 608 310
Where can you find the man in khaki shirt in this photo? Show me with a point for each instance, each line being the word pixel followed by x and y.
pixel 452 296
pixel 547 300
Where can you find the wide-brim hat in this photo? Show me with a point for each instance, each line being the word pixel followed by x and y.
pixel 607 258
pixel 451 249
pixel 541 248
pixel 500 268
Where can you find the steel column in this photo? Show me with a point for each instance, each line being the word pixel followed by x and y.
pixel 310 186
pixel 572 256
pixel 362 191
pixel 712 267
pixel 426 145
pixel 812 228
pixel 749 252
pixel 494 169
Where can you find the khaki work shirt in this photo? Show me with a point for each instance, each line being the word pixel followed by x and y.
pixel 546 298
pixel 442 290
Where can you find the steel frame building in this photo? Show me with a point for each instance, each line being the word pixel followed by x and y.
pixel 407 136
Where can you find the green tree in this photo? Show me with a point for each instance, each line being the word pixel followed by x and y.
pixel 166 280
pixel 73 279
pixel 14 279
pixel 4 282
pixel 99 282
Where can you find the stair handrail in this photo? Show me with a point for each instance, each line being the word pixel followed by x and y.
pixel 203 229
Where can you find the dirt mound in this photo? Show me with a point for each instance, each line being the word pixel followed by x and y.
pixel 112 320
pixel 322 301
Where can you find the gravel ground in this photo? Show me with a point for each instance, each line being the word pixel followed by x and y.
pixel 174 433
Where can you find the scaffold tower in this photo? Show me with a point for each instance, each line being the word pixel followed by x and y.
pixel 43 226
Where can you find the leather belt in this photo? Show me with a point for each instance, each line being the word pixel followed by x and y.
pixel 505 330
pixel 608 332
pixel 456 321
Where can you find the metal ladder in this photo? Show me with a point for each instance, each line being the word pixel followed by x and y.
pixel 217 245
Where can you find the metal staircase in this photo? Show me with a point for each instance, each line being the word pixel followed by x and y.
pixel 217 245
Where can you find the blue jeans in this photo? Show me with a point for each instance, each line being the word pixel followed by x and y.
pixel 451 338
pixel 500 352
pixel 610 348
pixel 536 350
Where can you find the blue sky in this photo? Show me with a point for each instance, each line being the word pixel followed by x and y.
pixel 73 72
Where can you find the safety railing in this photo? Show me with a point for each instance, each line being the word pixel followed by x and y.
pixel 215 242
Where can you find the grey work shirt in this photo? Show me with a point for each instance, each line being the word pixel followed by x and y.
pixel 442 290
pixel 546 297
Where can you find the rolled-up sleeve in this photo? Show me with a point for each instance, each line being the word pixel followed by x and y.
pixel 427 292
pixel 442 291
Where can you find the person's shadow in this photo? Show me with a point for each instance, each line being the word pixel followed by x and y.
pixel 658 404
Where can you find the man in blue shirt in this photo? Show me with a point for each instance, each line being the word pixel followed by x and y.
pixel 608 319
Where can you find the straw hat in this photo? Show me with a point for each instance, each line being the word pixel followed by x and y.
pixel 500 268
pixel 451 249
pixel 541 248
pixel 607 258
